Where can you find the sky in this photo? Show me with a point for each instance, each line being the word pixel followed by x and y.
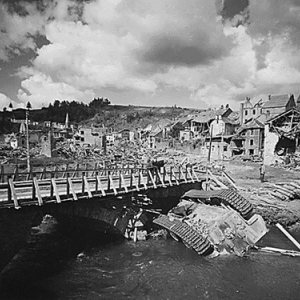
pixel 191 53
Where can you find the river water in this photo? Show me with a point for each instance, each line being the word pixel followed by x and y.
pixel 166 269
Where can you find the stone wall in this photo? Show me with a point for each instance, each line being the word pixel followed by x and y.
pixel 271 139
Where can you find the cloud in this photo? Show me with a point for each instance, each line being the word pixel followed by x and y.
pixel 125 45
pixel 39 89
pixel 4 101
pixel 216 52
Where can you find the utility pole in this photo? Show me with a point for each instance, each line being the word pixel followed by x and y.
pixel 28 106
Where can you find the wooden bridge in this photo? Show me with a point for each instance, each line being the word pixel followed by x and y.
pixel 42 187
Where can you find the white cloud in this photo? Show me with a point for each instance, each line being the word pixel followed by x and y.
pixel 149 46
pixel 39 89
pixel 4 101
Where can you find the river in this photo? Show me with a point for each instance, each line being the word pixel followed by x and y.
pixel 166 269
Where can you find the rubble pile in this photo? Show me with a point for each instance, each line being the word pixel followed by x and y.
pixel 289 161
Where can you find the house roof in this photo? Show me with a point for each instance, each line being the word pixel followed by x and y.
pixel 284 114
pixel 230 121
pixel 277 101
pixel 254 123
pixel 205 116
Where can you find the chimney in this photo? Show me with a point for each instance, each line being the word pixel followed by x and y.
pixel 241 113
pixel 269 97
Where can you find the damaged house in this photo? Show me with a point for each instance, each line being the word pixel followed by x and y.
pixel 278 104
pixel 282 134
pixel 221 130
pixel 249 139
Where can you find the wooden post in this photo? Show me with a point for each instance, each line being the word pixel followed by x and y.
pixel 124 184
pixel 139 177
pixel 82 181
pixel 2 173
pixel 33 188
pixel 16 173
pixel 177 182
pixel 164 173
pixel 13 192
pixel 68 186
pixel 100 186
pixel 195 175
pixel 131 178
pixel 87 187
pixel 110 179
pixel 51 186
pixel 55 190
pixel 143 182
pixel 120 180
pixel 38 192
pixel 189 172
pixel 161 179
pixel 72 188
pixel 43 172
pixel 184 177
pixel 152 179
pixel 96 182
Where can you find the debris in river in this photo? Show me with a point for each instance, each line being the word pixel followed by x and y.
pixel 207 228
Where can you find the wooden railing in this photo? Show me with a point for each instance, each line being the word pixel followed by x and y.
pixel 68 185
pixel 17 174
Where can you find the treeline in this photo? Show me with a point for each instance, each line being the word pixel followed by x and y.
pixel 57 111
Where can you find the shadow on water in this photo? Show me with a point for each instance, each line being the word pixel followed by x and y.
pixel 51 247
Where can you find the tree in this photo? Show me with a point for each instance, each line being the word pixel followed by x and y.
pixel 10 105
pixel 28 105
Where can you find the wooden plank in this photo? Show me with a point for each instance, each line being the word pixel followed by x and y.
pixel 112 184
pixel 152 179
pixel 214 178
pixel 13 193
pixel 123 182
pixel 288 235
pixel 72 188
pixel 37 190
pixel 100 186
pixel 55 189
pixel 87 187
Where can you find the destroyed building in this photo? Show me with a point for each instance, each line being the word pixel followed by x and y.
pixel 249 139
pixel 278 104
pixel 282 134
pixel 249 111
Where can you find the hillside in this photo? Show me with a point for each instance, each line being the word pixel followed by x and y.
pixel 97 112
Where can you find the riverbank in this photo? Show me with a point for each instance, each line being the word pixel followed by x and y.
pixel 274 210
pixel 246 176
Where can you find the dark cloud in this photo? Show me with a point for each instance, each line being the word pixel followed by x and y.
pixel 231 8
pixel 174 51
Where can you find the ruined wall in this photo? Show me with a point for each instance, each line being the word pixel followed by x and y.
pixel 271 139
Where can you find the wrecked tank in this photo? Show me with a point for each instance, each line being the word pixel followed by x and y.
pixel 214 222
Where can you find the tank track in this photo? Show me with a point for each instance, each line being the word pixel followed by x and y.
pixel 189 236
pixel 231 198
